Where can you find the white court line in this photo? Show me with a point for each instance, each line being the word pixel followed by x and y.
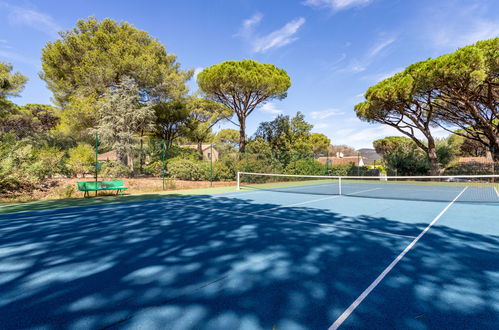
pixel 299 221
pixel 312 201
pixel 358 192
pixel 296 204
pixel 339 321
pixel 497 192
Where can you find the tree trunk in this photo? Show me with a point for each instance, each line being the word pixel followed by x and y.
pixel 432 157
pixel 242 134
pixel 200 150
pixel 494 149
pixel 141 160
pixel 122 158
pixel 130 162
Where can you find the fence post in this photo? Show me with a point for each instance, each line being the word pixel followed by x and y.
pixel 211 165
pixel 238 180
pixel 163 146
pixel 96 159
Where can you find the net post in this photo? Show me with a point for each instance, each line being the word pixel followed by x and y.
pixel 238 180
pixel 339 185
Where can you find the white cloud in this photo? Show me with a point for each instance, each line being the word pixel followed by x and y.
pixel 363 137
pixel 336 5
pixel 249 24
pixel 321 125
pixel 375 78
pixel 453 36
pixel 12 56
pixel 197 71
pixel 360 65
pixel 271 108
pixel 32 18
pixel 362 134
pixel 276 39
pixel 325 114
pixel 382 44
pixel 445 30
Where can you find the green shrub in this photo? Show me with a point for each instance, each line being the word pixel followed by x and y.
pixel 81 159
pixel 114 169
pixel 225 169
pixel 154 168
pixel 65 192
pixel 472 168
pixel 184 169
pixel 306 166
pixel 48 161
pixel 340 170
pixel 9 184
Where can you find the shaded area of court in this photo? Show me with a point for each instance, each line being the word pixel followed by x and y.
pixel 203 263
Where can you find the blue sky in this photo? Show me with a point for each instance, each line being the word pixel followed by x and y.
pixel 333 50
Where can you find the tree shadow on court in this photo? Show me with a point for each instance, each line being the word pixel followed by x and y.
pixel 186 264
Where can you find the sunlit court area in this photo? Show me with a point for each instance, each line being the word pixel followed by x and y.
pixel 249 165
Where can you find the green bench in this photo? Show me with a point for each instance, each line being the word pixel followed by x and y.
pixel 87 186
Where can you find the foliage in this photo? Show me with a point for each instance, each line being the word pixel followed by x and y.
pixel 446 152
pixel 466 86
pixel 203 115
pixel 31 120
pixel 94 55
pixel 79 114
pixel 390 143
pixel 288 138
pixel 229 138
pixel 121 116
pixel 472 168
pixel 320 143
pixel 306 166
pixel 81 159
pixel 171 118
pixel 11 84
pixel 458 89
pixel 401 102
pixel 242 86
pixel 464 146
pixel 406 159
pixel 340 170
pixel 115 169
pixel 49 161
pixel 155 168
pixel 9 184
pixel 184 169
pixel 226 169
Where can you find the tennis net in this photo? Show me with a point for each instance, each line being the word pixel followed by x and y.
pixel 461 188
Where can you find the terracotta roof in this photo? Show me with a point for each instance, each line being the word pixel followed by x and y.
pixel 340 161
pixel 195 146
pixel 475 160
pixel 110 155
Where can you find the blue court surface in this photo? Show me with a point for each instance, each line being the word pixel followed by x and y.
pixel 252 260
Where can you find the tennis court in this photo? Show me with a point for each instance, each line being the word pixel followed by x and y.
pixel 273 255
